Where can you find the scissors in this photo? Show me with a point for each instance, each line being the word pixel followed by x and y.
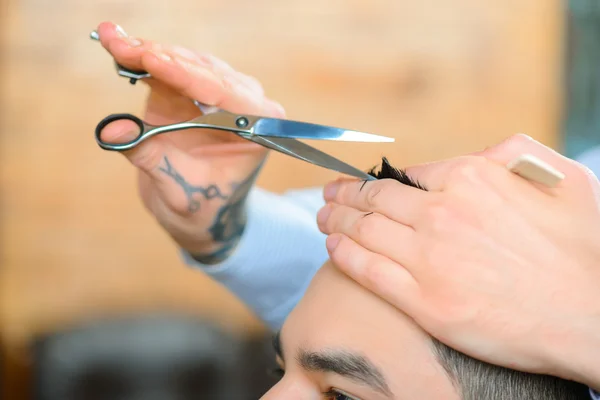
pixel 276 134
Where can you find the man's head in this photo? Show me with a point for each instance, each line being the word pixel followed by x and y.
pixel 342 342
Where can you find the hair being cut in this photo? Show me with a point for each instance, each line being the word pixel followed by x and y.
pixel 478 380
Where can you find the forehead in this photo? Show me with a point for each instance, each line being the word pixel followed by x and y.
pixel 336 313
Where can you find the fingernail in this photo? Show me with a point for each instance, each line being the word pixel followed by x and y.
pixel 332 242
pixel 121 32
pixel 324 214
pixel 331 190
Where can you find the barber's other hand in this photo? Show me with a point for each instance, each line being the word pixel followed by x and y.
pixel 194 182
pixel 502 269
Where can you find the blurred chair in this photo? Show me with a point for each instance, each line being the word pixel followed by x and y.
pixel 160 357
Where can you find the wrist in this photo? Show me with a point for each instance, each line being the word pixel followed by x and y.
pixel 215 253
pixel 220 239
pixel 217 246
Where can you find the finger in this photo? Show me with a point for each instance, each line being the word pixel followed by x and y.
pixel 129 48
pixel 435 175
pixel 201 82
pixel 158 159
pixel 397 201
pixel 376 273
pixel 200 77
pixel 372 231
pixel 516 145
pixel 220 65
pixel 147 155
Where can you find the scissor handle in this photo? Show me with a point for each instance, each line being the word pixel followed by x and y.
pixel 120 146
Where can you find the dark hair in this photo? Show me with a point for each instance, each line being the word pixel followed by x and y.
pixel 478 380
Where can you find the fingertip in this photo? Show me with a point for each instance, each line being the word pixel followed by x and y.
pixel 105 27
pixel 333 241
pixel 345 253
pixel 331 189
pixel 107 31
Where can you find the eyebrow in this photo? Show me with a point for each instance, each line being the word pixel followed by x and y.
pixel 341 362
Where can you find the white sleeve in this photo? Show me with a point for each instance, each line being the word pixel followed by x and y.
pixel 278 254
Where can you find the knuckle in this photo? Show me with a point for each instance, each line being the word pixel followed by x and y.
pixel 441 215
pixel 366 226
pixel 375 193
pixel 207 60
pixel 146 158
pixel 514 144
pixel 371 273
pixel 467 170
pixel 360 264
pixel 519 141
pixel 182 207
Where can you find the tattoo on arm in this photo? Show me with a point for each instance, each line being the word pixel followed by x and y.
pixel 230 221
pixel 209 192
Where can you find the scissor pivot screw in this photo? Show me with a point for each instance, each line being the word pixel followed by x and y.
pixel 241 122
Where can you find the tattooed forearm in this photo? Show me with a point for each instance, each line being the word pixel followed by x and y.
pixel 230 221
pixel 208 192
pixel 231 218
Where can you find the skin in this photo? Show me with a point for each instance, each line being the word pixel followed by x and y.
pixel 356 321
pixel 195 184
pixel 492 265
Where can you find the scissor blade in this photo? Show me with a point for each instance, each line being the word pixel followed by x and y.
pixel 273 127
pixel 302 151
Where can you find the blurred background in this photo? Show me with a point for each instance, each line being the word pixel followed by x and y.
pixel 85 269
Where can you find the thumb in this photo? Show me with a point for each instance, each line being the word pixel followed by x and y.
pixel 154 157
pixel 145 156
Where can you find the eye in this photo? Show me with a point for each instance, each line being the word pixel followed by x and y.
pixel 333 394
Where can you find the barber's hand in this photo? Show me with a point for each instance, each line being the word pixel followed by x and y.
pixel 495 266
pixel 194 182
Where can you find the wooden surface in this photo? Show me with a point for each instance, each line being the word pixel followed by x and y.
pixel 444 78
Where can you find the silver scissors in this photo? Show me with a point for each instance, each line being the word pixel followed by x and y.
pixel 276 134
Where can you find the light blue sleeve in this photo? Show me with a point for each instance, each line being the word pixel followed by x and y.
pixel 278 254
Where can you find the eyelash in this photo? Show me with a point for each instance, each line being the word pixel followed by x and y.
pixel 331 394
